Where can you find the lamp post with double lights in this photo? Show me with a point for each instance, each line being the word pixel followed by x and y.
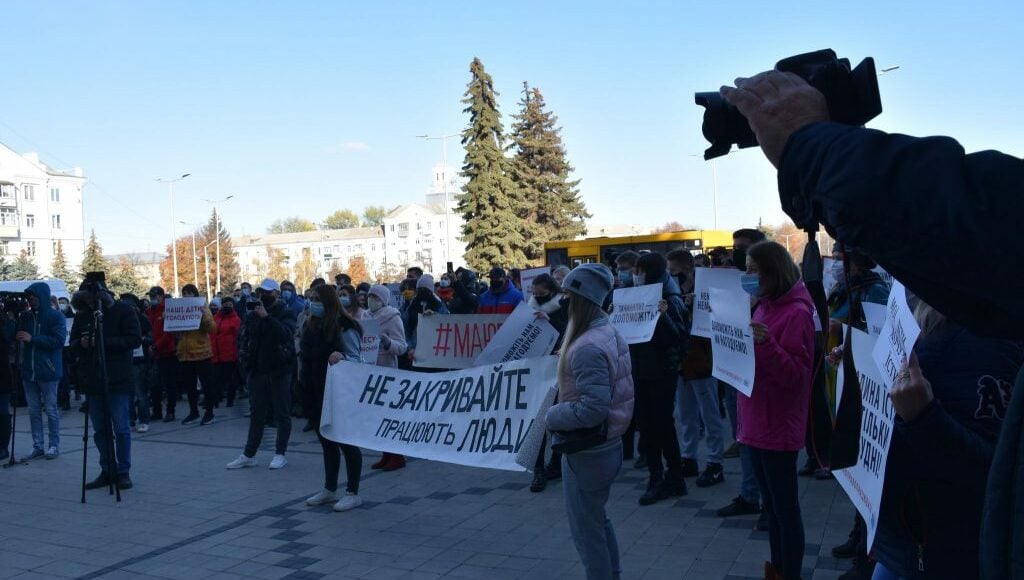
pixel 174 245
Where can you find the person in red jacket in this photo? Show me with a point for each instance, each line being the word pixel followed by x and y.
pixel 166 356
pixel 225 348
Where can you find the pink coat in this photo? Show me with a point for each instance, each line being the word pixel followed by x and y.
pixel 775 416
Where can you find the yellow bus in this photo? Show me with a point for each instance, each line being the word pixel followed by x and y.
pixel 575 252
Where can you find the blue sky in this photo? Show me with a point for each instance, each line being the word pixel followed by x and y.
pixel 301 108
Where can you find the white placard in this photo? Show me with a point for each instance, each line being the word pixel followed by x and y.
pixel 635 313
pixel 68 322
pixel 885 275
pixel 899 333
pixel 370 348
pixel 526 278
pixel 396 296
pixel 732 342
pixel 522 335
pixel 863 482
pixel 874 315
pixel 704 280
pixel 183 314
pixel 828 279
pixel 453 341
pixel 478 416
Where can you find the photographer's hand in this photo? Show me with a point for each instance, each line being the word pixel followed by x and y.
pixel 776 104
pixel 23 336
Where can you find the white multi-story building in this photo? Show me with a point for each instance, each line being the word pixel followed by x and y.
pixel 427 235
pixel 39 207
pixel 329 249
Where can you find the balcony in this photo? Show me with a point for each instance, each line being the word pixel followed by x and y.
pixel 9 231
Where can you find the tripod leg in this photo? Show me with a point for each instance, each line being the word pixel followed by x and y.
pixel 85 452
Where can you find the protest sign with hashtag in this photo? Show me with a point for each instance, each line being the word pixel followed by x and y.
pixel 453 341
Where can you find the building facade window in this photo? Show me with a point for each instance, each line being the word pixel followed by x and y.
pixel 55 194
pixel 7 190
pixel 55 221
pixel 29 191
pixel 8 217
pixel 4 248
pixel 55 248
pixel 403 229
pixel 30 220
pixel 30 248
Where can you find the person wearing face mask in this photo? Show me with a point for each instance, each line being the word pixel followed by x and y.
pixel 392 346
pixel 295 302
pixel 350 302
pixel 424 302
pixel 42 331
pixel 773 419
pixel 224 341
pixel 560 273
pixel 165 355
pixel 501 297
pixel 445 291
pixel 362 292
pixel 625 263
pixel 465 299
pixel 267 354
pixel 194 355
pixel 546 299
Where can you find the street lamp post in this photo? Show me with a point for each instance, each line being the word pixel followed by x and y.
pixel 444 188
pixel 174 245
pixel 206 262
pixel 216 219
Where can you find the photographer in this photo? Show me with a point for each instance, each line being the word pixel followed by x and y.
pixel 109 402
pixel 898 197
pixel 267 352
pixel 42 331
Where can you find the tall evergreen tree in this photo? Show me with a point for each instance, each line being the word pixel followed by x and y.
pixel 59 267
pixel 551 201
pixel 493 231
pixel 230 270
pixel 5 268
pixel 92 259
pixel 23 268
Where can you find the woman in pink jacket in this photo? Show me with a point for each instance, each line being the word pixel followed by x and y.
pixel 773 420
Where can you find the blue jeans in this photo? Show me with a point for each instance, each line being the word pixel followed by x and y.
pixel 104 410
pixel 587 479
pixel 40 394
pixel 748 485
pixel 697 400
pixel 776 474
pixel 140 399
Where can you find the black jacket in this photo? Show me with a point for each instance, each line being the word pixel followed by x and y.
pixel 6 354
pixel 267 345
pixel 660 357
pixel 121 335
pixel 899 198
pixel 315 349
pixel 465 299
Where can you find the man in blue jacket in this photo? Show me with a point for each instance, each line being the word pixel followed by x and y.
pixel 899 198
pixel 501 297
pixel 42 332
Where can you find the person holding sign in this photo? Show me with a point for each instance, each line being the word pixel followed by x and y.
pixel 329 336
pixel 392 346
pixel 773 419
pixel 546 299
pixel 595 403
pixel 655 368
pixel 950 401
pixel 194 355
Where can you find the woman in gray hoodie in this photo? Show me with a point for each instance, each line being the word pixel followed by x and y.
pixel 595 394
pixel 392 346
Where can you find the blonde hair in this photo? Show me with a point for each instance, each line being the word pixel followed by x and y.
pixel 581 313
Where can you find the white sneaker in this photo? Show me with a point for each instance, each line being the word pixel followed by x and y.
pixel 278 462
pixel 323 496
pixel 350 501
pixel 142 428
pixel 242 461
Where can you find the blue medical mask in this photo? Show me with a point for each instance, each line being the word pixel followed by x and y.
pixel 639 279
pixel 287 295
pixel 751 284
pixel 246 292
pixel 625 277
pixel 346 301
pixel 316 309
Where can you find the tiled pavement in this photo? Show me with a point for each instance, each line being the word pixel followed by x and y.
pixel 189 518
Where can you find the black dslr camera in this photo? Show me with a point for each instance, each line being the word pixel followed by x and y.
pixel 16 302
pixel 851 94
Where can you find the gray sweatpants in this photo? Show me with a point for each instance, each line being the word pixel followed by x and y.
pixel 587 479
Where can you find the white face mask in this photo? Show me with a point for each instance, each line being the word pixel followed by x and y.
pixel 374 303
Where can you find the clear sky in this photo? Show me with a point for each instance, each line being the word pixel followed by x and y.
pixel 301 108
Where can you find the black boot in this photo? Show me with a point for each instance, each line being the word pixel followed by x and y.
pixel 674 483
pixel 5 436
pixel 539 482
pixel 656 490
pixel 124 482
pixel 101 481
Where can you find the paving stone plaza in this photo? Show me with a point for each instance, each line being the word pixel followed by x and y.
pixel 190 518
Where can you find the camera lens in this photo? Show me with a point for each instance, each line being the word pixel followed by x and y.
pixel 723 125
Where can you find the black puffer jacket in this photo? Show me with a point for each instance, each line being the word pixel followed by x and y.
pixel 465 299
pixel 121 335
pixel 267 345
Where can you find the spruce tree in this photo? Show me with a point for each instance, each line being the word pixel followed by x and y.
pixel 551 201
pixel 230 270
pixel 493 231
pixel 59 268
pixel 92 259
pixel 23 268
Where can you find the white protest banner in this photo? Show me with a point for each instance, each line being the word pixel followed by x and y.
pixel 522 335
pixel 453 341
pixel 874 315
pixel 371 340
pixel 528 451
pixel 477 417
pixel 828 279
pixel 885 275
pixel 705 279
pixel 182 314
pixel 732 342
pixel 526 278
pixel 864 481
pixel 899 333
pixel 68 322
pixel 396 295
pixel 635 313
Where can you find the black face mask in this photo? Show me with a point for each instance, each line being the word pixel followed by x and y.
pixel 227 309
pixel 544 299
pixel 497 285
pixel 739 259
pixel 268 301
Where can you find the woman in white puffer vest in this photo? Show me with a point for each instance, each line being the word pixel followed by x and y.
pixel 595 394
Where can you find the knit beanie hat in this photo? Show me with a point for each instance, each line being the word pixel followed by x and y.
pixel 383 293
pixel 425 281
pixel 590 281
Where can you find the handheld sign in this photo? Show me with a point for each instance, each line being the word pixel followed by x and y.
pixel 874 315
pixel 526 278
pixel 899 333
pixel 704 280
pixel 732 342
pixel 453 341
pixel 522 335
pixel 636 314
pixel 371 340
pixel 183 314
pixel 863 482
